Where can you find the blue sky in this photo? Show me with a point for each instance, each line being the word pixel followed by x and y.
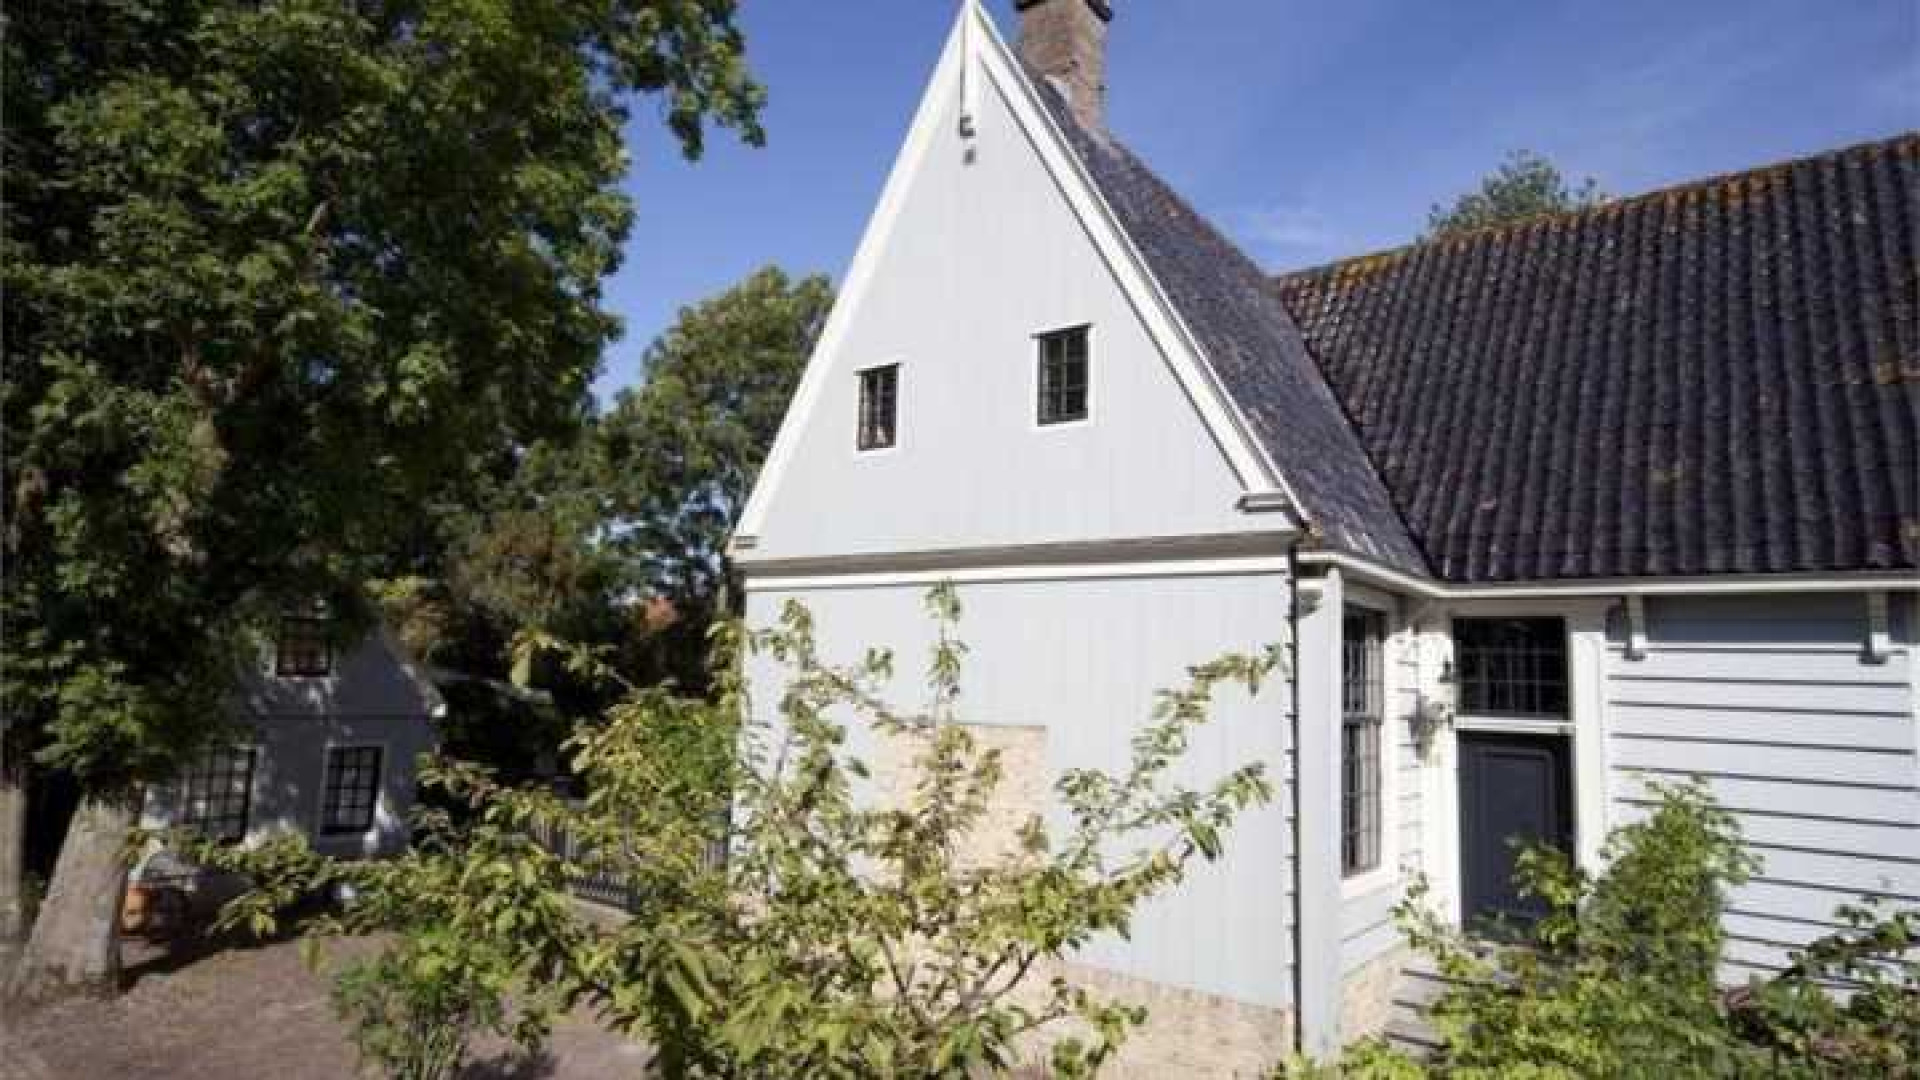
pixel 1306 129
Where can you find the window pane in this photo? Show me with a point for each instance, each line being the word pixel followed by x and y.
pixel 303 648
pixel 1512 667
pixel 1062 378
pixel 1362 697
pixel 879 394
pixel 352 789
pixel 216 794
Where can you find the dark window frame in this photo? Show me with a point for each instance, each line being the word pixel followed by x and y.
pixel 1062 376
pixel 349 809
pixel 1511 666
pixel 303 647
pixel 216 793
pixel 877 424
pixel 1363 695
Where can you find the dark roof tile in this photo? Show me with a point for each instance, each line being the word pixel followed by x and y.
pixel 1722 377
pixel 1252 347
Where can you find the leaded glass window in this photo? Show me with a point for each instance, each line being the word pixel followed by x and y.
pixel 1362 715
pixel 1511 666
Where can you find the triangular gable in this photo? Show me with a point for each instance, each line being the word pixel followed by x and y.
pixel 976 64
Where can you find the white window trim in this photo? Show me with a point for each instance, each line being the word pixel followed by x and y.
pixel 1037 359
pixel 899 412
pixel 1388 871
pixel 320 834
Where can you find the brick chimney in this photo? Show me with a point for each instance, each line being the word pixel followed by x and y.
pixel 1066 42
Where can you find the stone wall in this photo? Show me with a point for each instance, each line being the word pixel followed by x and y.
pixel 1021 796
pixel 1188 1033
pixel 1366 995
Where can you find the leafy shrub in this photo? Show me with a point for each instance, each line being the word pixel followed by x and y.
pixel 1619 979
pixel 1871 1028
pixel 414 1007
pixel 838 937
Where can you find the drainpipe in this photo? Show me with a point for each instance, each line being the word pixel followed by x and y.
pixel 1316 785
pixel 1293 744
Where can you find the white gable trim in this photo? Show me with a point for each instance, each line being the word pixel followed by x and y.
pixel 974 53
pixel 853 290
pixel 1176 342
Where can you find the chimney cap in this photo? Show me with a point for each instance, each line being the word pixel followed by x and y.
pixel 1100 7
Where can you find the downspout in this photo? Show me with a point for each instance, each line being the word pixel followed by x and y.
pixel 1317 897
pixel 1293 786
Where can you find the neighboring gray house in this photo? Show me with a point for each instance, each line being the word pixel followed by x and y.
pixel 1545 510
pixel 331 736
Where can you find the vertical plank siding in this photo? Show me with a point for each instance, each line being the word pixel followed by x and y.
pixel 1771 702
pixel 1082 659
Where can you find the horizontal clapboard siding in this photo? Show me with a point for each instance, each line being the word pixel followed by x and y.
pixel 1771 702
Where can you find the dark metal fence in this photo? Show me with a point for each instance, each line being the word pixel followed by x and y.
pixel 601 886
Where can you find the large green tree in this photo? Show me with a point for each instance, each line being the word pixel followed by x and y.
pixel 614 537
pixel 276 275
pixel 685 447
pixel 1525 185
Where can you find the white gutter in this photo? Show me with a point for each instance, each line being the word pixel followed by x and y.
pixel 1387 577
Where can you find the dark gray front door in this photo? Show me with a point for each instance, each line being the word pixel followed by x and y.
pixel 1512 787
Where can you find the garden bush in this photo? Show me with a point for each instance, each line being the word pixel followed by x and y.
pixel 1621 977
pixel 840 937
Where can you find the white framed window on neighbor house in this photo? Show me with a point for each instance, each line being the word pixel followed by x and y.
pixel 878 426
pixel 350 792
pixel 303 647
pixel 1061 377
pixel 1362 722
pixel 216 794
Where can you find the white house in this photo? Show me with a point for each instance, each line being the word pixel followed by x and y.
pixel 330 735
pixel 1544 510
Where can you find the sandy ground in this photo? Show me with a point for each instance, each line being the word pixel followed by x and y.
pixel 249 1013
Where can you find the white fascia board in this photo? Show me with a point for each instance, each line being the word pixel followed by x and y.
pixel 853 289
pixel 1224 421
pixel 1389 578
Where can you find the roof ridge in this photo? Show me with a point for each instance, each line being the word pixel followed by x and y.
pixel 1386 256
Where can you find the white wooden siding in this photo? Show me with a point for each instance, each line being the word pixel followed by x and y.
pixel 373 698
pixel 1769 700
pixel 983 251
pixel 1082 659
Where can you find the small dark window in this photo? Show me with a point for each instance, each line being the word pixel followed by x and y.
pixel 304 648
pixel 1511 667
pixel 1362 690
pixel 1063 376
pixel 879 407
pixel 352 791
pixel 216 794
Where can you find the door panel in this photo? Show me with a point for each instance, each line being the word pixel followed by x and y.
pixel 1514 790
